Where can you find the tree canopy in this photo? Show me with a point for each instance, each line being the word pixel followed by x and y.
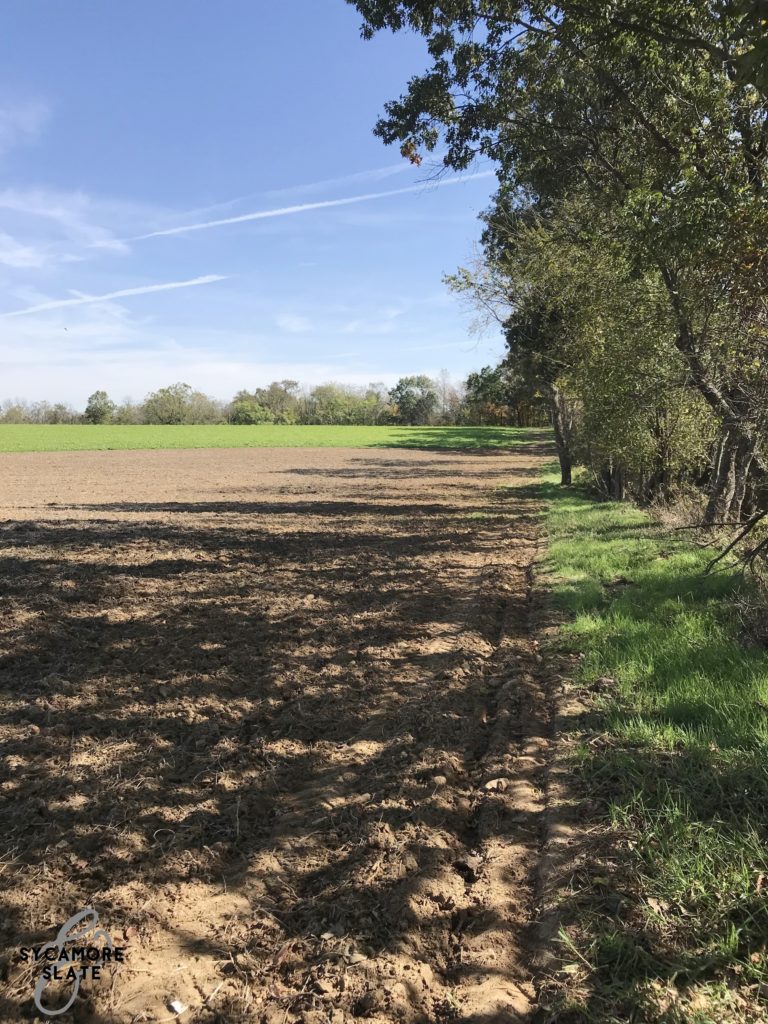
pixel 415 399
pixel 627 245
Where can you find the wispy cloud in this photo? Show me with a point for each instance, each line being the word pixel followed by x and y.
pixel 16 254
pixel 293 324
pixel 374 174
pixel 377 322
pixel 135 358
pixel 21 122
pixel 63 218
pixel 122 293
pixel 286 211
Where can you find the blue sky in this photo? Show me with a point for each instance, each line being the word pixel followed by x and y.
pixel 129 132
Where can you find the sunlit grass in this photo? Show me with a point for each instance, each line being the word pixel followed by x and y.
pixel 680 771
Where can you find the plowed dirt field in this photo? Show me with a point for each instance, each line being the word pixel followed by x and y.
pixel 275 715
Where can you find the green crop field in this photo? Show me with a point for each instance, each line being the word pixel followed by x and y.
pixel 43 438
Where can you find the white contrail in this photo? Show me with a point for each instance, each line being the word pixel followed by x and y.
pixel 285 211
pixel 346 179
pixel 145 290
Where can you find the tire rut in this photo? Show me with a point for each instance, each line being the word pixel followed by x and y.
pixel 504 837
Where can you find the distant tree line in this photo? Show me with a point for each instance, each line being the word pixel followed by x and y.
pixel 493 396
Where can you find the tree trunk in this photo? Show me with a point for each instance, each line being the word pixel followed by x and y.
pixel 658 480
pixel 618 485
pixel 613 481
pixel 562 423
pixel 733 409
pixel 743 466
pixel 566 469
pixel 731 467
pixel 721 467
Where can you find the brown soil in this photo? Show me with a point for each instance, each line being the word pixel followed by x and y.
pixel 274 714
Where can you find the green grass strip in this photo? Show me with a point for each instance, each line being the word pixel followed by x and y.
pixel 672 918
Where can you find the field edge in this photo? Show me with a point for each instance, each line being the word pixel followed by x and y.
pixel 651 894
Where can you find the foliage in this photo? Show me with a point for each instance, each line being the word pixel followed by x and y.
pixel 201 408
pixel 281 398
pixel 37 412
pixel 415 399
pixel 752 61
pixel 168 405
pixel 340 403
pixel 128 412
pixel 586 321
pixel 503 394
pixel 282 402
pixel 451 401
pixel 100 408
pixel 246 410
pixel 178 404
pixel 628 137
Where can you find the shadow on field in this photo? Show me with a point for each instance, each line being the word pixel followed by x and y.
pixel 282 703
pixel 470 441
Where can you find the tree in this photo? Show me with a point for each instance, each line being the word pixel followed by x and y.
pixel 376 403
pixel 415 399
pixel 596 340
pixel 201 408
pixel 449 398
pixel 752 62
pixel 333 403
pixel 637 110
pixel 533 320
pixel 45 412
pixel 168 405
pixel 281 398
pixel 128 412
pixel 740 47
pixel 503 394
pixel 245 410
pixel 14 411
pixel 100 408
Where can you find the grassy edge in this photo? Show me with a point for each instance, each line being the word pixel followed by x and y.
pixel 660 888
